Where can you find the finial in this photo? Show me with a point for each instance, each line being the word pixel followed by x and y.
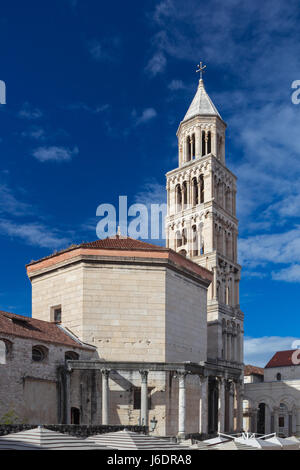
pixel 201 68
pixel 119 231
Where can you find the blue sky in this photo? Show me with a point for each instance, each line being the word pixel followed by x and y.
pixel 95 92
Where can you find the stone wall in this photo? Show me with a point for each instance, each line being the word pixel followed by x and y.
pixel 29 390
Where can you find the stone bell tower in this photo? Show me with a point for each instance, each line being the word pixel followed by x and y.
pixel 201 222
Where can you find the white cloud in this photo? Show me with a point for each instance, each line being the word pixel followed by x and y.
pixel 289 274
pixel 29 112
pixel 34 234
pixel 176 85
pixel 36 133
pixel 147 115
pixel 156 64
pixel 9 204
pixel 277 248
pixel 54 153
pixel 258 351
pixel 151 193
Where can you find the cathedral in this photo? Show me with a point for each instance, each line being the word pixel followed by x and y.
pixel 127 332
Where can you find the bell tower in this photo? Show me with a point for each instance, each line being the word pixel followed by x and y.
pixel 201 221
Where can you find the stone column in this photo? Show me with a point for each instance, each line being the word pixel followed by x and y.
pixel 221 405
pixel 239 405
pixel 105 396
pixel 188 193
pixel 203 406
pixel 198 141
pixel 215 283
pixel 185 149
pixel 182 404
pixel 276 420
pixel 144 397
pixel 68 397
pixel 298 422
pixel 231 407
pixel 228 346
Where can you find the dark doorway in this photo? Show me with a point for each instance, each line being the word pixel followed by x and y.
pixel 261 418
pixel 75 416
pixel 212 406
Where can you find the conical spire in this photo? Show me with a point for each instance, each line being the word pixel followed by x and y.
pixel 201 104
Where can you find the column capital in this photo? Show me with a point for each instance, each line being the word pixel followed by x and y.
pixel 105 372
pixel 144 375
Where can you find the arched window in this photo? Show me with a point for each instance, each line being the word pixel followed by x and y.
pixel 195 192
pixel 39 353
pixel 188 149
pixel 193 148
pixel 71 356
pixel 184 237
pixel 178 239
pixel 209 142
pixel 203 144
pixel 2 352
pixel 195 240
pixel 178 198
pixel 278 376
pixel 182 252
pixel 184 194
pixel 201 189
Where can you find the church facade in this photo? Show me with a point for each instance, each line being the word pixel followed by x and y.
pixel 161 328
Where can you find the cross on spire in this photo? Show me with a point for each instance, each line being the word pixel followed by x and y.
pixel 201 68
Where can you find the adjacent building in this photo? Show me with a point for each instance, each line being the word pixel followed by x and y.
pixel 272 395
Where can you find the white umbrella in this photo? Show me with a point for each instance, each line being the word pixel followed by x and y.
pixel 132 440
pixel 41 438
pixel 258 443
pixel 231 445
pixel 285 444
pixel 218 440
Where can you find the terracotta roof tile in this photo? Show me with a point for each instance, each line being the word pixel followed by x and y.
pixel 39 330
pixel 110 243
pixel 120 243
pixel 253 370
pixel 281 359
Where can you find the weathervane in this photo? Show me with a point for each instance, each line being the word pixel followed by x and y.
pixel 201 68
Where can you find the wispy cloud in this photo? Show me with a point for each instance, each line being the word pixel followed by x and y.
pixel 289 274
pixel 105 49
pixel 54 153
pixel 151 193
pixel 175 85
pixel 36 133
pixel 34 234
pixel 10 204
pixel 258 351
pixel 147 115
pixel 30 112
pixel 90 109
pixel 156 64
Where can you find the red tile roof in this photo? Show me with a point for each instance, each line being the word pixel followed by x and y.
pixel 110 243
pixel 38 330
pixel 122 243
pixel 117 244
pixel 281 359
pixel 253 370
